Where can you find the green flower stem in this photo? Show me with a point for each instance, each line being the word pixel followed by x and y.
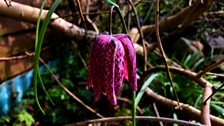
pixel 133 109
pixel 114 5
pixel 122 19
pixel 110 19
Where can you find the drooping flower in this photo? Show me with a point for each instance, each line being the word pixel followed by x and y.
pixel 111 59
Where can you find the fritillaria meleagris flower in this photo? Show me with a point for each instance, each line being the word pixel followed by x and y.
pixel 111 59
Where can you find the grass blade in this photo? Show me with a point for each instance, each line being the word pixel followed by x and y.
pixel 112 2
pixel 38 43
pixel 145 85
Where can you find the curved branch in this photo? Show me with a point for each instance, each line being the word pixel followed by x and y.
pixel 187 109
pixel 148 118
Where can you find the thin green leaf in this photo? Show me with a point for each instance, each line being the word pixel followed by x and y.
pixel 112 2
pixel 42 85
pixel 38 45
pixel 36 62
pixel 145 85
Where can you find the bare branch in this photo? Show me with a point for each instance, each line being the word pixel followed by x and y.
pixel 205 111
pixel 148 118
pixel 187 109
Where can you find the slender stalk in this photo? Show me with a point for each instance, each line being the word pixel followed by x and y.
pixel 122 19
pixel 110 19
pixel 133 109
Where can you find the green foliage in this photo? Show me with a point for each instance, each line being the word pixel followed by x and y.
pixel 17 117
pixel 24 118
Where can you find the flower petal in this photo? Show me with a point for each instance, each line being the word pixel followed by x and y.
pixel 130 57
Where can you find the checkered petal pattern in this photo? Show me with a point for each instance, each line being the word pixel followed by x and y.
pixel 109 62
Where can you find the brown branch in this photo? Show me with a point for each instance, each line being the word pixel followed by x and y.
pixel 213 93
pixel 13 57
pixel 69 92
pixel 30 14
pixel 205 111
pixel 211 67
pixel 187 109
pixel 182 19
pixel 147 118
pixel 159 44
pixel 191 75
pixel 157 112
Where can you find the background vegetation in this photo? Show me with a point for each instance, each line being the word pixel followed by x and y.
pixel 70 67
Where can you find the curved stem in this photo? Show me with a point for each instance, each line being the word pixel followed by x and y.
pixel 110 19
pixel 122 19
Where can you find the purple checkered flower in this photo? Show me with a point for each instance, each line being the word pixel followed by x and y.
pixel 111 59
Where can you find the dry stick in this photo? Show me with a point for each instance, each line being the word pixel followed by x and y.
pixel 147 118
pixel 141 34
pixel 90 13
pixel 13 57
pixel 194 113
pixel 211 67
pixel 162 51
pixel 204 102
pixel 80 13
pixel 21 56
pixel 205 109
pixel 8 3
pixel 69 92
pixel 215 74
pixel 157 112
pixel 89 20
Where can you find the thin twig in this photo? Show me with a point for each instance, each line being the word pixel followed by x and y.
pixel 147 118
pixel 215 74
pixel 22 56
pixel 209 68
pixel 8 3
pixel 77 14
pixel 13 57
pixel 213 93
pixel 157 112
pixel 162 51
pixel 81 13
pixel 89 20
pixel 69 92
pixel 141 34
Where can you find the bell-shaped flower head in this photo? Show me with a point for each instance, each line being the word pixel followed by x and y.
pixel 110 60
